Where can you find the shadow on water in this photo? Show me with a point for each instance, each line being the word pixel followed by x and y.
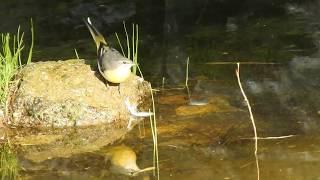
pixel 211 141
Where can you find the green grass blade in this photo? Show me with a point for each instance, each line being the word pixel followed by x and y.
pixel 133 48
pixel 137 42
pixel 128 41
pixel 120 44
pixel 32 42
pixel 76 52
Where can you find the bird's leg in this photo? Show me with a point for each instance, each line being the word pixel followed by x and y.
pixel 119 88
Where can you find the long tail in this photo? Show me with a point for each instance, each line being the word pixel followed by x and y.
pixel 96 35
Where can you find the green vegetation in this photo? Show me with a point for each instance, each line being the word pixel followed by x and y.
pixel 9 166
pixel 10 62
pixel 10 59
pixel 132 53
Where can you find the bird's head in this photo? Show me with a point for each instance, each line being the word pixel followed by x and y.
pixel 126 63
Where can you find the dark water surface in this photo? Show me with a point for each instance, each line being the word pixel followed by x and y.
pixel 277 43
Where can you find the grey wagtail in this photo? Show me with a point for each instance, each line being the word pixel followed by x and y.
pixel 114 67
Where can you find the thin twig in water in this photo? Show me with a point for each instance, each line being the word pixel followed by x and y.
pixel 142 133
pixel 272 137
pixel 155 137
pixel 252 120
pixel 163 81
pixel 246 165
pixel 171 89
pixel 144 129
pixel 187 72
pixel 143 170
pixel 187 79
pixel 248 62
pixel 154 149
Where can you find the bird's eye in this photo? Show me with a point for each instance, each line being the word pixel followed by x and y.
pixel 127 62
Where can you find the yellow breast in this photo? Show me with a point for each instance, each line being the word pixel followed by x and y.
pixel 117 75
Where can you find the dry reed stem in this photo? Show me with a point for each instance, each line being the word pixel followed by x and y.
pixel 154 130
pixel 252 120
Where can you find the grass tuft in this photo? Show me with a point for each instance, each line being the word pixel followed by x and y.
pixel 10 59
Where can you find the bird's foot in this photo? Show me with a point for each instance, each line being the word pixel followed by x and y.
pixel 119 89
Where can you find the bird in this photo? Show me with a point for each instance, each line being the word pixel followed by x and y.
pixel 112 65
pixel 123 160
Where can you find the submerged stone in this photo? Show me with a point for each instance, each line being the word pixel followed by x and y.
pixel 173 99
pixel 214 104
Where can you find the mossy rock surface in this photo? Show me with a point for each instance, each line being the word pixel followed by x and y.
pixel 71 93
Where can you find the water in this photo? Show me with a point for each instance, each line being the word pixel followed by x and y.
pixel 211 141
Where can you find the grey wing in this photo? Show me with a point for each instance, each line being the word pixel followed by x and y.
pixel 111 58
pixel 101 57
